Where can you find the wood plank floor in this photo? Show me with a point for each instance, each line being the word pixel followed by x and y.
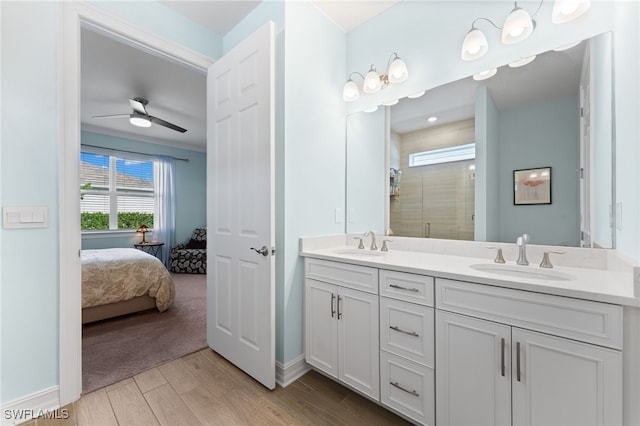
pixel 204 388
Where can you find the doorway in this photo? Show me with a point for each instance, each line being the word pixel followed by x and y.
pixel 77 16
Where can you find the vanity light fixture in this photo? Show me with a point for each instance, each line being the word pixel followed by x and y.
pixel 372 109
pixel 373 82
pixel 568 10
pixel 391 103
pixel 567 46
pixel 485 74
pixel 518 26
pixel 417 95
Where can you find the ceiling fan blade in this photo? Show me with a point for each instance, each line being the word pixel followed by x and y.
pixel 111 116
pixel 138 105
pixel 166 124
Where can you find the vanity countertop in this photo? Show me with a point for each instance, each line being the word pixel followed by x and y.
pixel 589 284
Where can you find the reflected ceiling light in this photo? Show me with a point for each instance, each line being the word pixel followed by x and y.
pixel 139 120
pixel 417 95
pixel 522 62
pixel 485 74
pixel 432 119
pixel 518 26
pixel 373 82
pixel 372 109
pixel 567 46
pixel 390 103
pixel 568 10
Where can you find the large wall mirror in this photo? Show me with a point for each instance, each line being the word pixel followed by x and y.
pixel 528 150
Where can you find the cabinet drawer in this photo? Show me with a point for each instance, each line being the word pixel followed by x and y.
pixel 407 329
pixel 407 387
pixel 410 287
pixel 352 276
pixel 583 320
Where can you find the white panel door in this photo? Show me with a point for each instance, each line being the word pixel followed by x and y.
pixel 563 382
pixel 240 207
pixel 359 341
pixel 473 371
pixel 321 326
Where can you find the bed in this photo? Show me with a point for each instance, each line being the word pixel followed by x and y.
pixel 119 281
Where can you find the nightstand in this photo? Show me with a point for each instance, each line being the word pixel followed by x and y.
pixel 154 248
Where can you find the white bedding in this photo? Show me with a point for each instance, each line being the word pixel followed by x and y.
pixel 113 275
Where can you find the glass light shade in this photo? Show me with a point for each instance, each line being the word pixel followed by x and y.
pixel 567 46
pixel 517 27
pixel 417 95
pixel 398 72
pixel 485 74
pixel 350 92
pixel 391 102
pixel 522 62
pixel 372 109
pixel 372 82
pixel 474 45
pixel 568 10
pixel 139 121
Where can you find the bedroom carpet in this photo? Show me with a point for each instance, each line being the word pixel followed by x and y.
pixel 118 348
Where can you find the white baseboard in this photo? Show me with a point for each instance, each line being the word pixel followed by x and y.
pixel 44 403
pixel 291 371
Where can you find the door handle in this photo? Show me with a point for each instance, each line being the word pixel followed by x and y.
pixel 502 366
pixel 333 310
pixel 518 374
pixel 263 251
pixel 339 313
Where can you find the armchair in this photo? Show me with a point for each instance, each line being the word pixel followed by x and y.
pixel 191 257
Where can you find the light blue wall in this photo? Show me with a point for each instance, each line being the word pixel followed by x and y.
pixel 487 198
pixel 30 102
pixel 191 178
pixel 365 182
pixel 542 135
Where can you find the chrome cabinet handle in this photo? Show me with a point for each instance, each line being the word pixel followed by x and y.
pixel 518 377
pixel 404 288
pixel 333 311
pixel 410 333
pixel 502 366
pixel 411 392
pixel 339 313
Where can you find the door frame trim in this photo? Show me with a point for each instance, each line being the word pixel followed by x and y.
pixel 74 16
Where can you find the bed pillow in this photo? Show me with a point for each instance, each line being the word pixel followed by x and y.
pixel 195 244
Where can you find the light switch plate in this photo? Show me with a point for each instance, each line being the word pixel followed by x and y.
pixel 25 217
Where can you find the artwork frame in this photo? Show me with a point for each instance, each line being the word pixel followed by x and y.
pixel 532 186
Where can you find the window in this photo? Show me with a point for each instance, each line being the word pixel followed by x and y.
pixel 116 192
pixel 443 155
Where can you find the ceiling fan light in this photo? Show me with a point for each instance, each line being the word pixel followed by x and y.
pixel 474 45
pixel 350 92
pixel 568 10
pixel 398 71
pixel 372 82
pixel 517 27
pixel 140 121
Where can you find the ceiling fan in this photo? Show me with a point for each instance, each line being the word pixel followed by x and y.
pixel 141 118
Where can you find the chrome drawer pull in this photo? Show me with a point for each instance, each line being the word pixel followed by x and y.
pixel 410 333
pixel 404 288
pixel 412 392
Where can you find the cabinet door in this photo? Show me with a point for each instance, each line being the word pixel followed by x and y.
pixel 473 371
pixel 321 326
pixel 563 382
pixel 358 341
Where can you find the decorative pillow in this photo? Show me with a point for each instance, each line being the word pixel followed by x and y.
pixel 195 244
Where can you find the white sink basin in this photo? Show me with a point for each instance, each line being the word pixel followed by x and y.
pixel 359 252
pixel 529 272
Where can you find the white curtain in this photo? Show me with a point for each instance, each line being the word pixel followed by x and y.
pixel 164 215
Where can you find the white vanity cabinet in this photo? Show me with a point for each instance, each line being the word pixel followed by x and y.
pixel 565 368
pixel 341 323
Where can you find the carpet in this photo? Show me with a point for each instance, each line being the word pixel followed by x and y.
pixel 117 348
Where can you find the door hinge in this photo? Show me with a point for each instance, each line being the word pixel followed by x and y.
pixel 581 112
pixel 581 173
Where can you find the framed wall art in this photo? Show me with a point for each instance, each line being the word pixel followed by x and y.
pixel 532 186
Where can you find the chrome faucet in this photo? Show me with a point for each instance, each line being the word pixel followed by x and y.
pixel 521 242
pixel 373 240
